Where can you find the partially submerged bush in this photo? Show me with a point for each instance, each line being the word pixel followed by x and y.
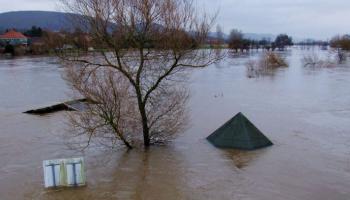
pixel 341 56
pixel 273 60
pixel 266 65
pixel 333 58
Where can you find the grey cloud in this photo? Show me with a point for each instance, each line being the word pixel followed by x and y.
pixel 301 18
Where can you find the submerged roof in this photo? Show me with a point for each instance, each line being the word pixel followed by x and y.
pixel 13 35
pixel 74 105
pixel 239 133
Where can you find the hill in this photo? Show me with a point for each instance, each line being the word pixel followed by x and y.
pixel 55 21
pixel 23 20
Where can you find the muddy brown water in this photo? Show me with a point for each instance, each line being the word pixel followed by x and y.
pixel 305 112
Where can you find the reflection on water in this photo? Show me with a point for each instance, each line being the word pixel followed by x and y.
pixel 305 112
pixel 242 159
pixel 129 175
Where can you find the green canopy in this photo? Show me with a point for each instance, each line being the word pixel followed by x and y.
pixel 239 133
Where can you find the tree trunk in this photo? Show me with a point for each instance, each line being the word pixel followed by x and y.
pixel 145 128
pixel 146 138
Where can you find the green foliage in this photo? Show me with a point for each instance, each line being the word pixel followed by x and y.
pixel 34 32
pixel 282 41
pixel 9 49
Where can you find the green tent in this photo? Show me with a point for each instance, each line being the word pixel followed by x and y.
pixel 239 133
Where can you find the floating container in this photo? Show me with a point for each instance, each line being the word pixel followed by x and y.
pixel 64 173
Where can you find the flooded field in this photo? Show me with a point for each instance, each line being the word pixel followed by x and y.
pixel 304 111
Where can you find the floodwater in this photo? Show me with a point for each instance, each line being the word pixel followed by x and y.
pixel 304 111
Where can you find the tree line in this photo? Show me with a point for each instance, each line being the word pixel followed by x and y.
pixel 239 43
pixel 41 41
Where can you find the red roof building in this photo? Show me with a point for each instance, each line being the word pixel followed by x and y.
pixel 14 38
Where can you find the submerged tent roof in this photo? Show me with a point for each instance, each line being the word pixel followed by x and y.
pixel 239 133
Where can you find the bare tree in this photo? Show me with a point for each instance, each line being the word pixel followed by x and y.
pixel 112 115
pixel 235 39
pixel 313 60
pixel 138 76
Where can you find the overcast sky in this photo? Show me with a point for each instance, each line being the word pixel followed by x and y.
pixel 300 18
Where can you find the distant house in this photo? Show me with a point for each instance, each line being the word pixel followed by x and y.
pixel 14 38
